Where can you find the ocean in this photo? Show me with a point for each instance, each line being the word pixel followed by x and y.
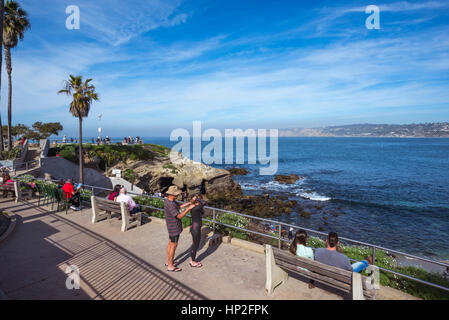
pixel 393 192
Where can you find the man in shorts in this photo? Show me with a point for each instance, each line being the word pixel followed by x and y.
pixel 173 218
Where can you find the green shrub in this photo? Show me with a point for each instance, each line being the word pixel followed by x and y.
pixel 69 154
pixel 108 155
pixel 130 175
pixel 234 220
pixel 12 154
pixel 158 203
pixel 172 168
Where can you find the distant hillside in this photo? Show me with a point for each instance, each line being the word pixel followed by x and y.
pixel 427 130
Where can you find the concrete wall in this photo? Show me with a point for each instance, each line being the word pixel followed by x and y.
pixel 45 146
pixel 129 187
pixel 12 164
pixel 60 168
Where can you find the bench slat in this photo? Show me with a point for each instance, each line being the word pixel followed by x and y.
pixel 108 205
pixel 370 293
pixel 109 208
pixel 317 277
pixel 315 266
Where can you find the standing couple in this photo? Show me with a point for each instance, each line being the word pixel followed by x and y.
pixel 173 217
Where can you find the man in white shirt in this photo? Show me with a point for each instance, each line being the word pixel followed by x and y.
pixel 123 197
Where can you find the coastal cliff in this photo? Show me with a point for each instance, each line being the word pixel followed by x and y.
pixel 160 172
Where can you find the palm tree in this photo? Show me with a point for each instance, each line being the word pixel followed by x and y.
pixel 15 24
pixel 2 11
pixel 82 94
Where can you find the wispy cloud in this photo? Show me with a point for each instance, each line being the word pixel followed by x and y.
pixel 322 71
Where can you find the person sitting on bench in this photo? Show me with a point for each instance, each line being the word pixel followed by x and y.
pixel 332 255
pixel 7 179
pixel 123 197
pixel 73 196
pixel 298 247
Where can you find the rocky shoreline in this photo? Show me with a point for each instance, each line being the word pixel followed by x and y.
pixel 217 185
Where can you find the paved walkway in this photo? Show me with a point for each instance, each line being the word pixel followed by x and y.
pixel 130 265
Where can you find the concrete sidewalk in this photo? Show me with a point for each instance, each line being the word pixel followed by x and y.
pixel 130 265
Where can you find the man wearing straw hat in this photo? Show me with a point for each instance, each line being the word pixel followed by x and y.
pixel 174 225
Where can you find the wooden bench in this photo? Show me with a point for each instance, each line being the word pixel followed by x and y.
pixel 103 209
pixel 14 190
pixel 279 261
pixel 22 194
pixel 7 190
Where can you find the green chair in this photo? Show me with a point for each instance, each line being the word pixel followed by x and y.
pixel 64 203
pixel 43 193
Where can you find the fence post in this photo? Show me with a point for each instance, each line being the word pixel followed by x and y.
pixel 92 189
pixel 279 235
pixel 213 218
pixel 374 255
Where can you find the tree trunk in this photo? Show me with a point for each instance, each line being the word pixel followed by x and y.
pixel 9 71
pixel 80 148
pixel 2 10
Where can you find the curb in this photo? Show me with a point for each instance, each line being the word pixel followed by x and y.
pixel 156 220
pixel 10 230
pixel 247 245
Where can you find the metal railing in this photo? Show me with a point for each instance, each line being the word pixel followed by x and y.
pixel 281 239
pixel 112 141
pixel 22 166
pixel 26 165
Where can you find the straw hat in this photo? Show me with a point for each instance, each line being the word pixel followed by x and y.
pixel 174 191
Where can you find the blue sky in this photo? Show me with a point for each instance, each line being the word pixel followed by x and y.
pixel 159 65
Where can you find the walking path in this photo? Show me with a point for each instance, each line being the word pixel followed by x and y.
pixel 130 265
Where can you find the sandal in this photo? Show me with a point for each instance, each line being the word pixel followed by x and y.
pixel 176 269
pixel 175 263
pixel 197 265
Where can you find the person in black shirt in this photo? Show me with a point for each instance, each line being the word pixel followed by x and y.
pixel 195 228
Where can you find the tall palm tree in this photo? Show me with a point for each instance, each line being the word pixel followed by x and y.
pixel 2 13
pixel 83 94
pixel 15 24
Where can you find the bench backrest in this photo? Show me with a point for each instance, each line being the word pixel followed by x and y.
pixel 8 186
pixel 330 275
pixel 108 205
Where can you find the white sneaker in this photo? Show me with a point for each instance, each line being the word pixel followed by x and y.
pixel 74 208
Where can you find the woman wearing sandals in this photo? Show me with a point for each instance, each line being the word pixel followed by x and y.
pixel 195 228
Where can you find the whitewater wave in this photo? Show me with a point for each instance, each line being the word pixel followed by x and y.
pixel 295 188
pixel 272 186
pixel 313 196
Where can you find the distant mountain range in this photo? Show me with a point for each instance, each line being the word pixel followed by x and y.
pixel 426 130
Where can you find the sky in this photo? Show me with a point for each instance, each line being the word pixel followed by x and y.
pixel 162 64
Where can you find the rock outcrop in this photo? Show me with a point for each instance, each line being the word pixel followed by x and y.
pixel 291 179
pixel 238 171
pixel 193 177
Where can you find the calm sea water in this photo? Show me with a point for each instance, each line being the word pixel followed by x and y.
pixel 387 191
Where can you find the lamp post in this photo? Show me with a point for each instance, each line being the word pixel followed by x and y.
pixel 99 129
